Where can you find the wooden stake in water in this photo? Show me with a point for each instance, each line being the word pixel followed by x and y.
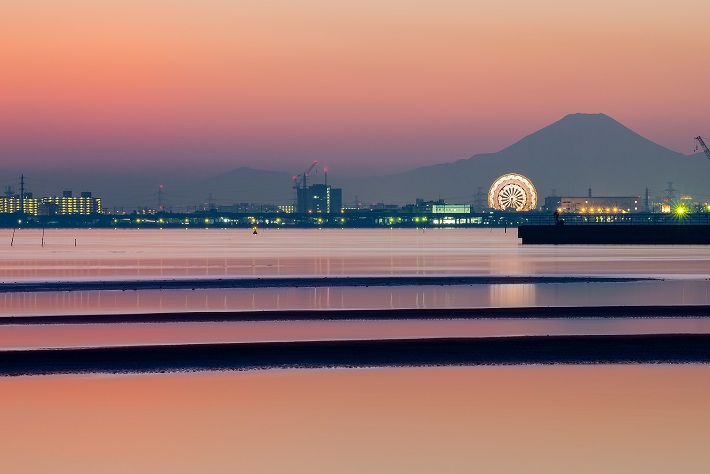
pixel 42 236
pixel 13 237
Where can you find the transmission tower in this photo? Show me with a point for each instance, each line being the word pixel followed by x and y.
pixel 671 192
pixel 479 200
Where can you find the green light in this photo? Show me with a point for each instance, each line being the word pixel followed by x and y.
pixel 680 210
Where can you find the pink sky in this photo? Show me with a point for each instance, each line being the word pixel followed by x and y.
pixel 357 85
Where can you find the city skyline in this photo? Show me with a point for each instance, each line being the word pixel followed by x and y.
pixel 369 87
pixel 571 156
pixel 504 268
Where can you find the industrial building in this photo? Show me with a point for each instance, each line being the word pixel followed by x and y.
pixel 595 205
pixel 319 198
pixel 436 207
pixel 316 198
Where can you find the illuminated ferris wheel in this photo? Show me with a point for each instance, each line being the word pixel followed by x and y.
pixel 512 191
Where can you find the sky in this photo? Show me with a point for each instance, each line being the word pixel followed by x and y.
pixel 364 87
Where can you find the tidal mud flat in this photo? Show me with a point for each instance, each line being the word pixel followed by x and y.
pixel 338 276
pixel 523 350
pixel 536 312
pixel 297 282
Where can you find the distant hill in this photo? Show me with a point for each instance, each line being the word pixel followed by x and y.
pixel 250 185
pixel 578 152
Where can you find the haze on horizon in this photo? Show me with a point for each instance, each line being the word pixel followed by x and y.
pixel 363 87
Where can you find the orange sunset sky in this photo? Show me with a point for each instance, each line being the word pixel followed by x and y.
pixel 387 84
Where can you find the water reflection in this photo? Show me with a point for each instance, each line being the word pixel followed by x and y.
pixel 101 335
pixel 512 295
pixel 673 292
pixel 175 253
pixel 582 419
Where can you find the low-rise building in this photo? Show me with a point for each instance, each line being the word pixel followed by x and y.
pixel 594 205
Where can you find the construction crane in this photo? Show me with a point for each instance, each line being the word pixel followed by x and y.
pixel 300 180
pixel 704 147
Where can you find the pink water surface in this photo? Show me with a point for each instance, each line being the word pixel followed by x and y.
pixel 533 419
pixel 87 254
pixel 102 335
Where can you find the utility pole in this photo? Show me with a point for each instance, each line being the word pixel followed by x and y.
pixel 160 198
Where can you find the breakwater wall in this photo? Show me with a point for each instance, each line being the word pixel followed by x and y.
pixel 616 234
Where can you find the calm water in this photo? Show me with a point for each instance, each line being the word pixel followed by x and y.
pixel 469 419
pixel 102 335
pixel 139 254
pixel 667 292
pixel 550 419
pixel 179 253
pixel 170 254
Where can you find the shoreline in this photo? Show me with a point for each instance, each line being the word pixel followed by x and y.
pixel 300 282
pixel 520 350
pixel 528 312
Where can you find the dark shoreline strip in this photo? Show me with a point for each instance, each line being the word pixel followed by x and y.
pixel 298 282
pixel 674 348
pixel 573 312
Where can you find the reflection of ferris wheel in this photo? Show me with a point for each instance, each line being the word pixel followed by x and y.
pixel 512 191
